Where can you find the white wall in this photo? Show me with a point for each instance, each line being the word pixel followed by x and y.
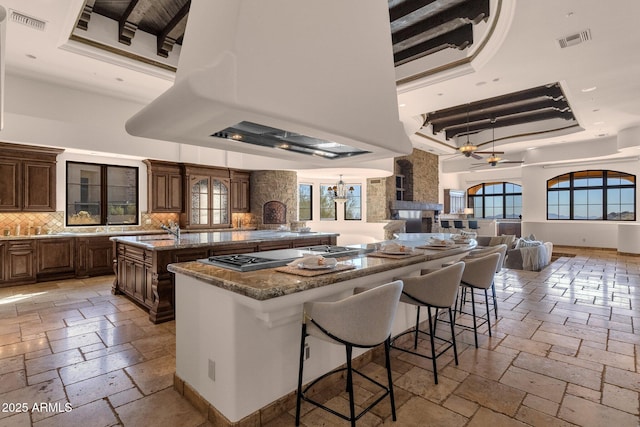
pixel 600 234
pixel 351 231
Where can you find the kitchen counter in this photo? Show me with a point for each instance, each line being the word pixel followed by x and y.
pixel 238 334
pixel 269 283
pixel 142 260
pixel 164 241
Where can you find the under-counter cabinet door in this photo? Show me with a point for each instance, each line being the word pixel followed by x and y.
pixel 3 262
pixel 21 254
pixel 95 256
pixel 55 258
pixel 10 185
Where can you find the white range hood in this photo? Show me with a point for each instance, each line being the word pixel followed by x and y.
pixel 306 80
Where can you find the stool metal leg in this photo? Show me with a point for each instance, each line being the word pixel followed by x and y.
pixel 453 334
pixel 299 394
pixel 486 301
pixel 433 346
pixel 387 350
pixel 495 303
pixel 473 310
pixel 415 339
pixel 352 408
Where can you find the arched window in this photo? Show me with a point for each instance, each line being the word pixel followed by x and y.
pixel 495 200
pixel 598 195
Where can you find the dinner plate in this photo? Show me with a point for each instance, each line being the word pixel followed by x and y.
pixel 316 267
pixel 436 245
pixel 397 252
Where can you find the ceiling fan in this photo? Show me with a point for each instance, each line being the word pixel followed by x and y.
pixel 493 159
pixel 470 150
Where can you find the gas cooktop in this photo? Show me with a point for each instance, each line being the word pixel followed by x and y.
pixel 276 258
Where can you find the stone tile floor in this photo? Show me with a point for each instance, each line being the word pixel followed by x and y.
pixel 565 351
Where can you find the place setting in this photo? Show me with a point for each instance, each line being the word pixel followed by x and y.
pixel 314 265
pixel 395 251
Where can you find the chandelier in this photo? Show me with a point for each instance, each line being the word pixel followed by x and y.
pixel 339 192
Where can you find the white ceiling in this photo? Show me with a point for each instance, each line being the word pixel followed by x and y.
pixel 524 54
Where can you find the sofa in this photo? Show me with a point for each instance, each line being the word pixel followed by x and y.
pixel 525 253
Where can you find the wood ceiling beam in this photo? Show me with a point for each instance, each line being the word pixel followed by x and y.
pixel 469 11
pixel 550 91
pixel 458 38
pixel 85 15
pixel 512 121
pixel 131 18
pixel 499 110
pixel 404 9
pixel 173 31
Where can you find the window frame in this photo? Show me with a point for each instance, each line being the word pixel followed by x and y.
pixel 325 195
pixel 310 218
pixel 503 195
pixel 104 203
pixel 352 198
pixel 600 190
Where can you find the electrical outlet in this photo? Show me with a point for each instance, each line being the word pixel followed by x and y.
pixel 307 351
pixel 212 370
pixel 147 221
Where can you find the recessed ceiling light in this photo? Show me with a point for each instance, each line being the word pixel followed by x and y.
pixel 120 79
pixel 481 83
pixel 598 123
pixel 402 105
pixel 532 148
pixel 595 110
pixel 589 89
pixel 30 56
pixel 569 14
pixel 440 94
pixel 600 135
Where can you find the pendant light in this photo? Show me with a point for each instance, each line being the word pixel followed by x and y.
pixel 467 149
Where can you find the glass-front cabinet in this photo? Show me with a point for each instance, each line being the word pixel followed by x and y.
pixel 208 198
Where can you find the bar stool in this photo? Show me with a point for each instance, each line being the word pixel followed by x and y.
pixel 458 225
pixel 472 224
pixel 477 253
pixel 363 320
pixel 444 224
pixel 478 274
pixel 437 289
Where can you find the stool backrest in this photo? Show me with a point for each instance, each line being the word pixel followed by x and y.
pixel 473 225
pixel 458 224
pixel 437 288
pixel 500 249
pixel 444 223
pixel 479 272
pixel 364 319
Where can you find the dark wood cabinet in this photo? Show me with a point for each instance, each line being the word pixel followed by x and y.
pixel 164 184
pixel 207 198
pixel 94 256
pixel 10 183
pixel 240 193
pixel 20 264
pixel 27 178
pixel 3 262
pixel 55 258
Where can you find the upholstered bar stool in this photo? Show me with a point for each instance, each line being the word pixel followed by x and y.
pixel 478 274
pixel 437 289
pixel 444 225
pixel 458 225
pixel 472 224
pixel 363 320
pixel 480 252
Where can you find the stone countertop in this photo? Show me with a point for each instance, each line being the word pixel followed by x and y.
pixel 160 242
pixel 268 283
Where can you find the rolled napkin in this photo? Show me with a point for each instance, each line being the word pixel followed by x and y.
pixel 313 261
pixel 440 242
pixel 395 248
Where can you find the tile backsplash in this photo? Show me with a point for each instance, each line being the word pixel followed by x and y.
pixel 28 223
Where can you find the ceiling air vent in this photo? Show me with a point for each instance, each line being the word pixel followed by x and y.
pixel 575 39
pixel 27 20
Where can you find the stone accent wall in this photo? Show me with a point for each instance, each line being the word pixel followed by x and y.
pixel 421 184
pixel 376 199
pixel 270 185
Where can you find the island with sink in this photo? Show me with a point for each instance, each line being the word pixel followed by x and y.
pixel 140 262
pixel 238 332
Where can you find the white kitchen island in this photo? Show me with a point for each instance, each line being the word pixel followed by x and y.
pixel 238 334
